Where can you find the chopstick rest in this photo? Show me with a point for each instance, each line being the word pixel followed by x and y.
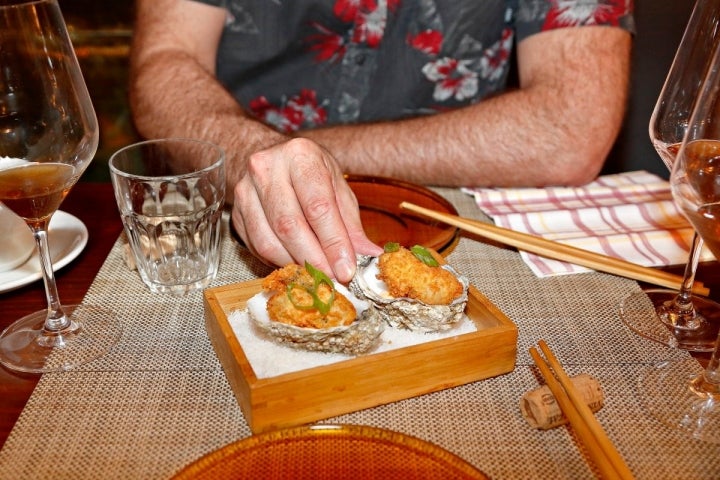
pixel 541 410
pixel 589 431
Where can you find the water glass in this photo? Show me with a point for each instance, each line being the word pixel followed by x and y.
pixel 170 193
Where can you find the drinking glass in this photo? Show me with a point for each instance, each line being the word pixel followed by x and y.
pixel 48 136
pixel 681 393
pixel 170 193
pixel 679 318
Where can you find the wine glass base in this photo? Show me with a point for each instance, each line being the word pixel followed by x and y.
pixel 26 347
pixel 642 312
pixel 669 392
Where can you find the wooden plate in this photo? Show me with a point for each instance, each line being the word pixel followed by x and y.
pixel 384 221
pixel 330 451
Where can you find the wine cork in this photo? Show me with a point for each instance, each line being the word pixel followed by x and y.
pixel 542 411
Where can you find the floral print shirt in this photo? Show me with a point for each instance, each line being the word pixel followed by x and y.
pixel 298 64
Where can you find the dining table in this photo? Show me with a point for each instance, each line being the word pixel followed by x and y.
pixel 160 399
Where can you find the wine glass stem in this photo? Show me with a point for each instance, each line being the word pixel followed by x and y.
pixel 690 270
pixel 709 382
pixel 680 312
pixel 56 319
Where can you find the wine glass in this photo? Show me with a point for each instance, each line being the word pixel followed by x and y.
pixel 681 393
pixel 48 136
pixel 679 318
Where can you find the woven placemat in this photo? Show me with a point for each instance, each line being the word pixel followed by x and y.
pixel 159 399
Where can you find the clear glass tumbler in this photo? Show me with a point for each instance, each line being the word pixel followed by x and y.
pixel 170 193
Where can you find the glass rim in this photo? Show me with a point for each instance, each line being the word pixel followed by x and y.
pixel 219 163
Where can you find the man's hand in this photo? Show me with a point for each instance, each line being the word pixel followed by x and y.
pixel 293 205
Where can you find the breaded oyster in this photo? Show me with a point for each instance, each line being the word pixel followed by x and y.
pixel 303 308
pixel 411 289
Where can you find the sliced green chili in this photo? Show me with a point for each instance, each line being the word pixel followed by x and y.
pixel 319 278
pixel 391 247
pixel 424 255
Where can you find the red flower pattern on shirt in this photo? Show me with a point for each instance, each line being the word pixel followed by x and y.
pixel 370 26
pixel 367 19
pixel 452 77
pixel 330 46
pixel 306 105
pixel 497 56
pixel 428 41
pixel 301 111
pixel 347 10
pixel 565 13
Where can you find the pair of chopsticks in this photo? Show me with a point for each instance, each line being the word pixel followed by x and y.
pixel 600 448
pixel 557 250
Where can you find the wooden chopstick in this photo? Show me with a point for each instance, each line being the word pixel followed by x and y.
pixel 558 251
pixel 600 448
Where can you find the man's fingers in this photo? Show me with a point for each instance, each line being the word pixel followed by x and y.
pixel 294 205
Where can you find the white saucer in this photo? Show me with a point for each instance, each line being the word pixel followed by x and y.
pixel 67 237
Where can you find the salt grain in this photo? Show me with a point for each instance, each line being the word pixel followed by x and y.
pixel 270 359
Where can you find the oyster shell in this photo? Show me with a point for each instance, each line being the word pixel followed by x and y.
pixel 356 338
pixel 407 312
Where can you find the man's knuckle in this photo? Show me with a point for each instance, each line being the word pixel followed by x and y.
pixel 286 226
pixel 317 208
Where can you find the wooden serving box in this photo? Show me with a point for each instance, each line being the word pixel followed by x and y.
pixel 321 392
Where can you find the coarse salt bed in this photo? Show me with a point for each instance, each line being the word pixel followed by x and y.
pixel 270 359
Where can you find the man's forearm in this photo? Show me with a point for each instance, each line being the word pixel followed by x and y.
pixel 195 106
pixel 500 142
pixel 558 129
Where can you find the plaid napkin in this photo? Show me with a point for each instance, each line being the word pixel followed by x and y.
pixel 629 216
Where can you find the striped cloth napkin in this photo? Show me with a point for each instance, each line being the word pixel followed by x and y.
pixel 628 215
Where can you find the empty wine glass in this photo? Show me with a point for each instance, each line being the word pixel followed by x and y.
pixel 48 136
pixel 679 318
pixel 681 393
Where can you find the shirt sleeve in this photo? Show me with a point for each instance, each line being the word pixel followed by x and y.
pixel 535 16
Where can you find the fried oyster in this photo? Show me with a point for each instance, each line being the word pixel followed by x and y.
pixel 303 308
pixel 411 289
pixel 292 301
pixel 408 276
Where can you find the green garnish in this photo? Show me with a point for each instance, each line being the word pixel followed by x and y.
pixel 424 255
pixel 319 277
pixel 391 247
pixel 420 252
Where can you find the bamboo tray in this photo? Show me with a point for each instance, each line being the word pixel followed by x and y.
pixel 321 392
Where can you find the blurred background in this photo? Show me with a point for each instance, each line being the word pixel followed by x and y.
pixel 102 31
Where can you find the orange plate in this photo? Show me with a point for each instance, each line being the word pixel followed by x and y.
pixel 330 451
pixel 384 221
